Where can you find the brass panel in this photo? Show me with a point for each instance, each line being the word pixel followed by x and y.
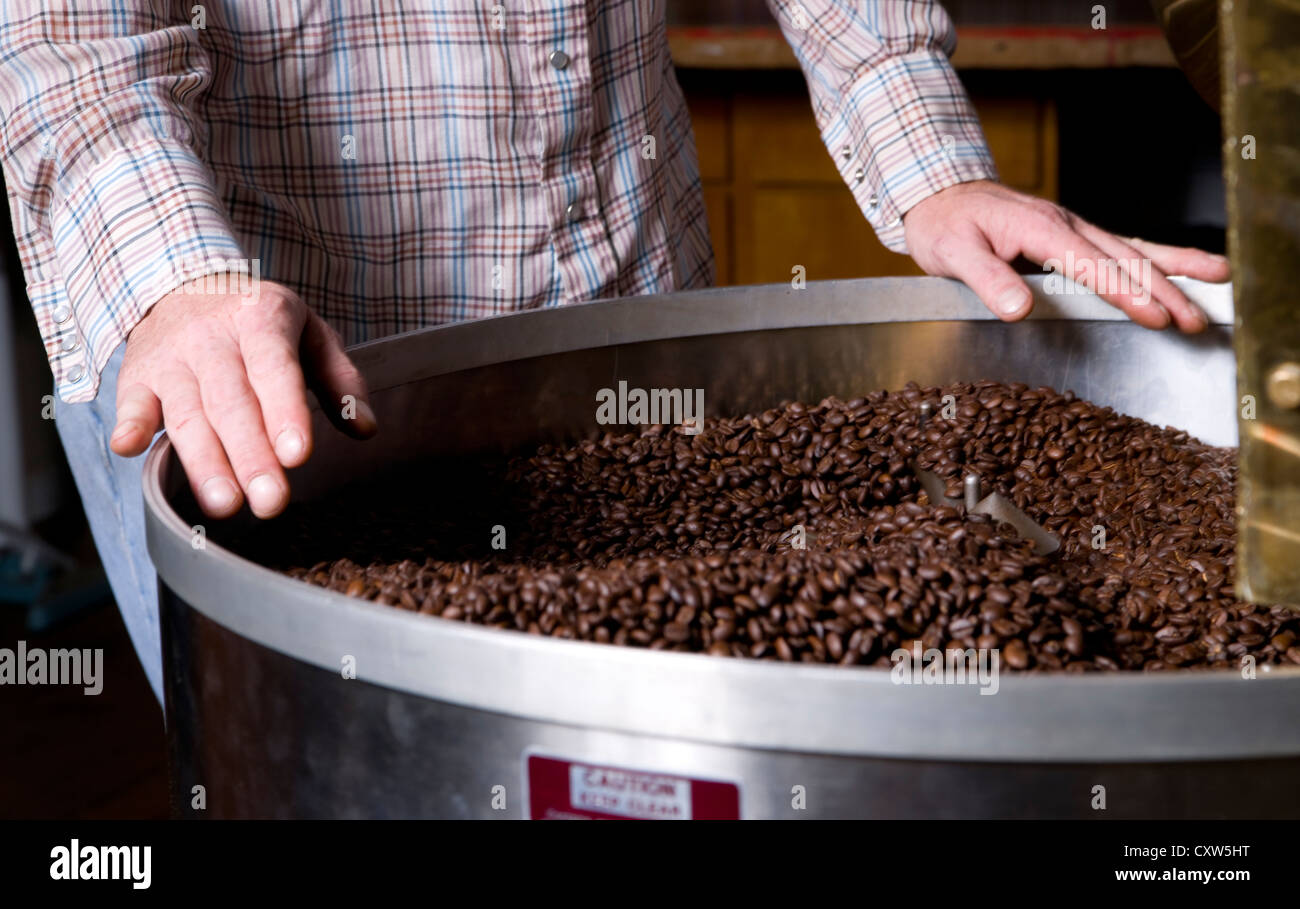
pixel 1261 54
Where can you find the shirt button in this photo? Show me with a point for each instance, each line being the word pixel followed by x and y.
pixel 75 374
pixel 574 211
pixel 62 314
pixel 559 59
pixel 69 345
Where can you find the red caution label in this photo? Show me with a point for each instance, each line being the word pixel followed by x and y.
pixel 559 789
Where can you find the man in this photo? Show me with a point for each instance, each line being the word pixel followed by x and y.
pixel 387 166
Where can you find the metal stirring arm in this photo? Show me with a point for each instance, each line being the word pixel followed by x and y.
pixel 995 505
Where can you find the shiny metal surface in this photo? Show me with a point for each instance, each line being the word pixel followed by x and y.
pixel 995 505
pixel 269 736
pixel 491 385
pixel 1261 82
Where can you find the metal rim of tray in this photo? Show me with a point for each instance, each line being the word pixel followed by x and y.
pixel 1119 717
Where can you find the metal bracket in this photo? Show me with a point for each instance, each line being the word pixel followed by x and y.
pixel 995 505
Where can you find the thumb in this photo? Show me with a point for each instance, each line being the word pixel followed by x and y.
pixel 139 417
pixel 994 282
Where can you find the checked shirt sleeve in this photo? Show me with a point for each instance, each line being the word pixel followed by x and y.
pixel 112 204
pixel 891 111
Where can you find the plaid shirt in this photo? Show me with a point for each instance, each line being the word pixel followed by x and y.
pixel 407 163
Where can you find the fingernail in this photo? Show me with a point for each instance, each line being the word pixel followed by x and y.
pixel 1222 260
pixel 218 494
pixel 366 417
pixel 1011 301
pixel 123 430
pixel 264 494
pixel 289 446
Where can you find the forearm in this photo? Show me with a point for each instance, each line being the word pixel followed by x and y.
pixel 112 203
pixel 890 108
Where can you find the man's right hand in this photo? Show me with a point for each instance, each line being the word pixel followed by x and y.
pixel 222 374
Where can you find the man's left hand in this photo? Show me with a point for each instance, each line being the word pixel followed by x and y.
pixel 972 230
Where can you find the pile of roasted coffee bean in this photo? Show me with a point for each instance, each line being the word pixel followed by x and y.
pixel 800 533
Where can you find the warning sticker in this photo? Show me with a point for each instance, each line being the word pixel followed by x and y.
pixel 559 789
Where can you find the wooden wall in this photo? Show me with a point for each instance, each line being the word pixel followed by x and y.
pixel 775 199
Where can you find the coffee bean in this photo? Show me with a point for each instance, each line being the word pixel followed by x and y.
pixel 677 632
pixel 1016 654
pixel 651 538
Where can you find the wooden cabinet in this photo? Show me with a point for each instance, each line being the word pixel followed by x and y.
pixel 775 199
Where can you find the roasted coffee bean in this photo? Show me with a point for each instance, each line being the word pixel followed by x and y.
pixel 1016 654
pixel 677 632
pixel 800 534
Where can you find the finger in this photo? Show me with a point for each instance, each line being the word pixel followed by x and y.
pixel 338 384
pixel 1181 260
pixel 198 447
pixel 271 360
pixel 1141 269
pixel 1056 239
pixel 235 414
pixel 993 280
pixel 139 417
